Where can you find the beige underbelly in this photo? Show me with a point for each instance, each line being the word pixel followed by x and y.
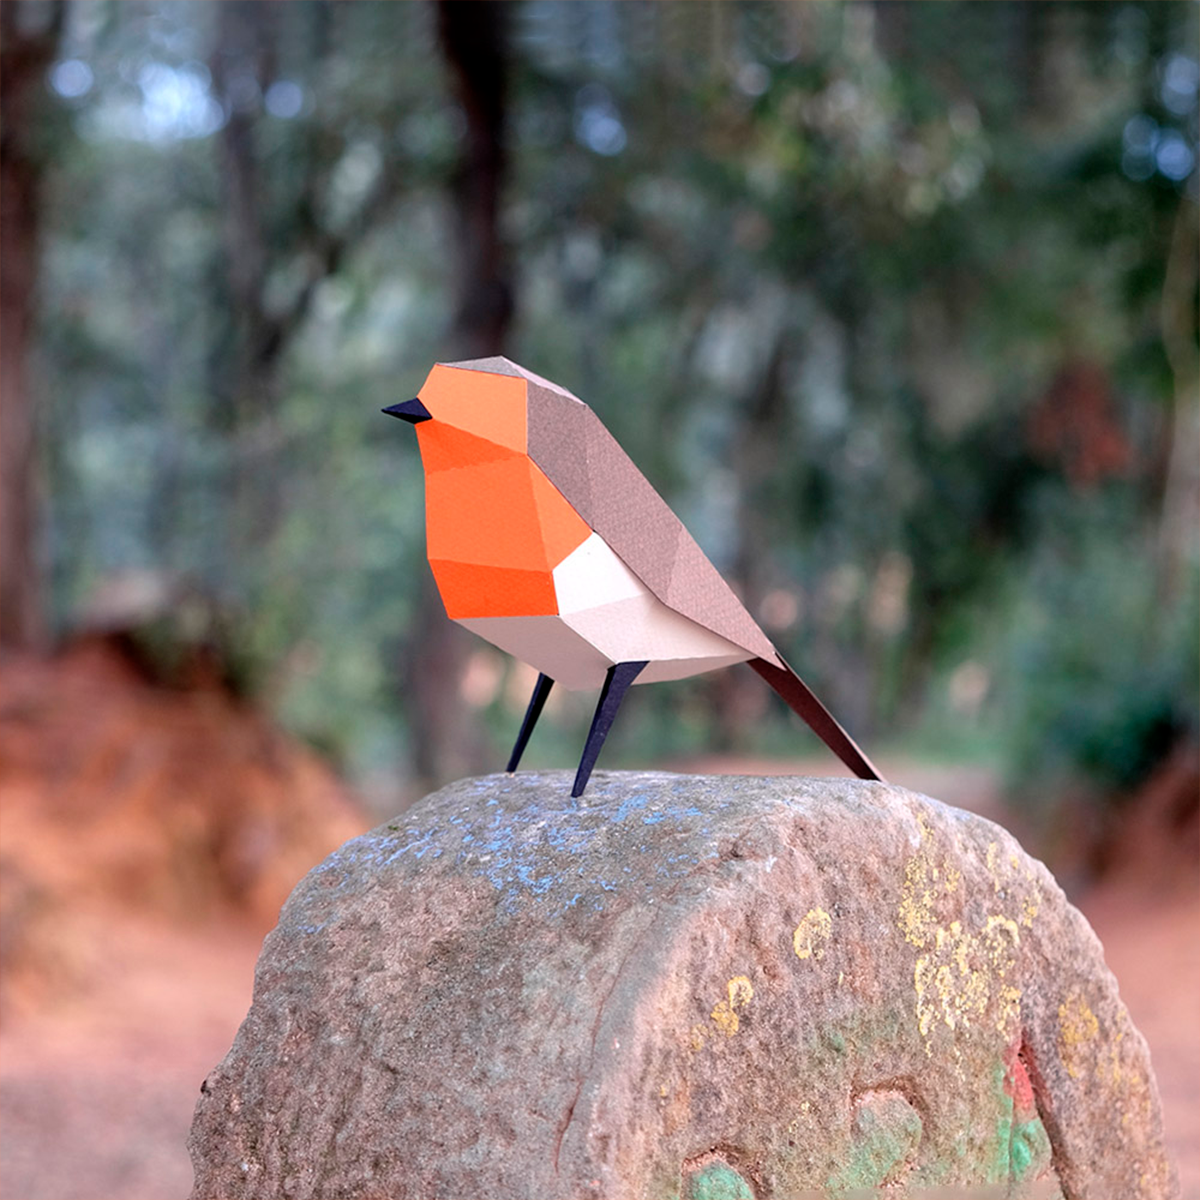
pixel 606 615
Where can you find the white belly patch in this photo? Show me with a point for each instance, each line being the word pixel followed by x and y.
pixel 606 615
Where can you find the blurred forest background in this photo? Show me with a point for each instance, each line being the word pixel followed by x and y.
pixel 895 303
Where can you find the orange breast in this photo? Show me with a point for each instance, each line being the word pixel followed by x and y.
pixel 495 532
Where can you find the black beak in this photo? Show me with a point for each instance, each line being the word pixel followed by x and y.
pixel 412 411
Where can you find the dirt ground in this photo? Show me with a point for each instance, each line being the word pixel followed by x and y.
pixel 1152 945
pixel 97 1090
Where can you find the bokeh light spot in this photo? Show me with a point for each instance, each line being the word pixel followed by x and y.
pixel 284 99
pixel 72 78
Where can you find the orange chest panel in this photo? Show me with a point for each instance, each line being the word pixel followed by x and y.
pixel 495 531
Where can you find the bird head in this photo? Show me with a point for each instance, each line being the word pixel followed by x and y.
pixel 464 415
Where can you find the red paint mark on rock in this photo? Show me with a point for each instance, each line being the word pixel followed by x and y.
pixel 1017 1083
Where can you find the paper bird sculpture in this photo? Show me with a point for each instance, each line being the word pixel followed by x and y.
pixel 546 540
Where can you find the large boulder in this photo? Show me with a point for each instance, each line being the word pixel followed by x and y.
pixel 707 987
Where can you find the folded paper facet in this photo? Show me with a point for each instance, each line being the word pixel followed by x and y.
pixel 545 539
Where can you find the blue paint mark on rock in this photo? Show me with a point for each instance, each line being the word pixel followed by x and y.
pixel 516 840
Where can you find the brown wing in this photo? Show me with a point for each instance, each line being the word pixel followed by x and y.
pixel 586 463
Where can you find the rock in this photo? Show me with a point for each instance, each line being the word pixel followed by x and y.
pixel 701 987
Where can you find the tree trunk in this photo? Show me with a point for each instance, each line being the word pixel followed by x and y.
pixel 446 741
pixel 1180 477
pixel 30 38
pixel 472 33
pixel 250 392
pixel 260 234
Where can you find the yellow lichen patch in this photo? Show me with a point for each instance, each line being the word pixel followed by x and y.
pixel 925 1012
pixel 1009 1019
pixel 1002 876
pixel 812 933
pixel 1077 1027
pixel 963 976
pixel 726 1019
pixel 741 991
pixel 725 1013
pixel 698 1035
pixel 924 882
pixel 1115 1069
pixel 997 921
pixel 993 851
pixel 915 916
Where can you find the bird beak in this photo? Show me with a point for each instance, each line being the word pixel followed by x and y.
pixel 412 411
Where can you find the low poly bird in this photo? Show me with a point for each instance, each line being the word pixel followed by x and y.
pixel 545 539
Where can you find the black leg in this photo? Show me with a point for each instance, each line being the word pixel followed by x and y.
pixel 616 684
pixel 541 690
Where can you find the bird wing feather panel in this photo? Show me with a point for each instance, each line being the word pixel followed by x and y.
pixel 586 463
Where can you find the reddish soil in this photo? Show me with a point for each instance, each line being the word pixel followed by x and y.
pixel 150 834
pixel 1152 945
pixel 96 1092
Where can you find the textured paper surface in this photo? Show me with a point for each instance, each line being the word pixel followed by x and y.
pixel 800 699
pixel 546 540
pixel 519 473
pixel 585 462
pixel 548 644
pixel 604 601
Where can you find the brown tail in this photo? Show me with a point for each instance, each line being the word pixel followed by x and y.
pixel 800 699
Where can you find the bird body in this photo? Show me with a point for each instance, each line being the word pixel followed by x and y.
pixel 604 614
pixel 545 539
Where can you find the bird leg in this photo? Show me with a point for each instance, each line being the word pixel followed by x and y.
pixel 541 690
pixel 616 684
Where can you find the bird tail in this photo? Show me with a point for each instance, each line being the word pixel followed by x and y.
pixel 799 698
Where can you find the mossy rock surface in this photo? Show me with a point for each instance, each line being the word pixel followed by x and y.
pixel 681 988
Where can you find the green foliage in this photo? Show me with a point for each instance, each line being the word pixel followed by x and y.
pixel 1103 678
